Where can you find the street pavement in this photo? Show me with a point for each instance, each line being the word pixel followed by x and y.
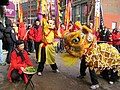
pixel 65 80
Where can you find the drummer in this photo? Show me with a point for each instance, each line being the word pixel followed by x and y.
pixel 19 60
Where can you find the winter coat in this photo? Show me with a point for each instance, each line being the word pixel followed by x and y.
pixel 116 38
pixel 17 63
pixel 104 35
pixel 36 34
pixel 9 32
pixel 1 30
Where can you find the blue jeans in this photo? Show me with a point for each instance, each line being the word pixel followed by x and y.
pixel 1 53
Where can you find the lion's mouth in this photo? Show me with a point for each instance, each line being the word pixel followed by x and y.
pixel 72 48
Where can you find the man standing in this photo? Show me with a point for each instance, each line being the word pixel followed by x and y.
pixel 35 34
pixel 47 50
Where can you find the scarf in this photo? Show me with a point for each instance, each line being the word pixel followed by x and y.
pixel 20 53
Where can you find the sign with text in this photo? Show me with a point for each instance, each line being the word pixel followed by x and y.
pixel 10 10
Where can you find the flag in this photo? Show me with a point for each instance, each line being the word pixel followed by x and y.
pixel 20 13
pixel 101 18
pixel 56 14
pixel 44 7
pixel 50 10
pixel 97 15
pixel 39 13
pixel 68 13
pixel 38 6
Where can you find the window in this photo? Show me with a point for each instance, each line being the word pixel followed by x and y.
pixel 114 25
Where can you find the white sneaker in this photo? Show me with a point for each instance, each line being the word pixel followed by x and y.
pixel 57 71
pixel 39 73
pixel 110 82
pixel 94 86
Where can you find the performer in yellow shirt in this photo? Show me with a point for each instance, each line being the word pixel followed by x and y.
pixel 47 50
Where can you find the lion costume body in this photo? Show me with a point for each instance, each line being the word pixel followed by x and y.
pixel 98 56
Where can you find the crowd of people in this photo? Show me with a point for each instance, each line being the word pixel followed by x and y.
pixel 19 40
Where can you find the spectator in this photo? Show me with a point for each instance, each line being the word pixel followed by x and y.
pixel 19 60
pixel 1 44
pixel 10 37
pixel 70 26
pixel 35 34
pixel 116 39
pixel 30 40
pixel 104 35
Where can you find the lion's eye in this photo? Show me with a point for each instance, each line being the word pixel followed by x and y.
pixel 89 38
pixel 82 35
pixel 76 40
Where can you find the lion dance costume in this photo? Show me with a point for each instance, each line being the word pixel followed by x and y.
pixel 98 56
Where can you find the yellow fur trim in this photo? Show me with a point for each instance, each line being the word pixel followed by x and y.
pixel 69 60
pixel 88 29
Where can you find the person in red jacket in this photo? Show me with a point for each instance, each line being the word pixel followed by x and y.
pixel 116 39
pixel 35 34
pixel 19 60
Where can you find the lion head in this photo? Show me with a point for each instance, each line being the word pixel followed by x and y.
pixel 79 42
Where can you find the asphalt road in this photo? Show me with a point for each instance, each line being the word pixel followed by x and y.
pixel 65 80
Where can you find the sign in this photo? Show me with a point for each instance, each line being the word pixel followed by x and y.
pixel 10 10
pixel 114 25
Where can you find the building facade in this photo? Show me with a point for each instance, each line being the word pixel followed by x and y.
pixel 29 11
pixel 81 8
pixel 111 13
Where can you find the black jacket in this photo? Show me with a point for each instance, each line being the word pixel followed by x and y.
pixel 104 35
pixel 1 30
pixel 9 32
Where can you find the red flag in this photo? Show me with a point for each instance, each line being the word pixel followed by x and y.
pixel 38 6
pixel 57 22
pixel 68 13
pixel 20 13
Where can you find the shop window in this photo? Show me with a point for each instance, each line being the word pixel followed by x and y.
pixel 114 25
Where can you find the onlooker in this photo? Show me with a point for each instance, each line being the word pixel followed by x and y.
pixel 116 39
pixel 30 40
pixel 19 60
pixel 70 26
pixel 35 34
pixel 104 35
pixel 10 37
pixel 62 29
pixel 1 44
pixel 15 27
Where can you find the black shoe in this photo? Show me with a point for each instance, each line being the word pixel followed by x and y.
pixel 80 77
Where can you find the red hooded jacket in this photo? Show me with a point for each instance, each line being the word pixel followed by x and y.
pixel 116 38
pixel 36 34
pixel 17 63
